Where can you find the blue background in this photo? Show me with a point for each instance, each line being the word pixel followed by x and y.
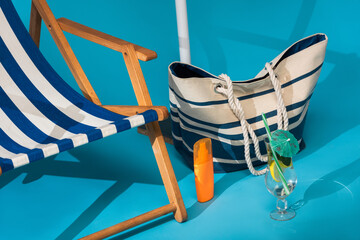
pixel 100 184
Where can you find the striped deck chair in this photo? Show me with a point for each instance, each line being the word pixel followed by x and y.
pixel 41 115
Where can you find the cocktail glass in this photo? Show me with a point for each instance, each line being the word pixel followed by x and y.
pixel 276 186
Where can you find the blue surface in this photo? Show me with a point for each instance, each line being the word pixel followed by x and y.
pixel 73 195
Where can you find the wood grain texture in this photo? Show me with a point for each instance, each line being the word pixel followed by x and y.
pixel 104 39
pixel 166 170
pixel 66 51
pixel 35 25
pixel 155 135
pixel 156 213
pixel 136 76
pixel 161 111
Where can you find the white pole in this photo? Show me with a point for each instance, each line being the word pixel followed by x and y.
pixel 183 31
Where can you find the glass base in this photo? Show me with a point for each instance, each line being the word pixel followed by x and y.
pixel 282 215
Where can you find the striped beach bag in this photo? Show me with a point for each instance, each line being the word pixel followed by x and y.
pixel 229 112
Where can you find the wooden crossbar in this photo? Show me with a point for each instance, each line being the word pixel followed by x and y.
pixel 104 39
pixel 161 111
pixel 133 222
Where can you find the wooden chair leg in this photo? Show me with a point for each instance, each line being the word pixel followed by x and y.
pixel 166 170
pixel 176 205
pixel 154 133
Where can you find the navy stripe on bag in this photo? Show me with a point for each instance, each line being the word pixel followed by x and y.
pixel 199 111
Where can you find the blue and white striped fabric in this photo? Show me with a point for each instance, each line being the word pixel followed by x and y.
pixel 40 115
pixel 197 111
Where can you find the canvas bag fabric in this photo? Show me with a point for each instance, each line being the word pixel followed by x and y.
pixel 199 111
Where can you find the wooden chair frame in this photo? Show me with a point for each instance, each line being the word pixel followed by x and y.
pixel 131 53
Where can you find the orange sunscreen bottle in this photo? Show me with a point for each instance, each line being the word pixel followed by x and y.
pixel 204 170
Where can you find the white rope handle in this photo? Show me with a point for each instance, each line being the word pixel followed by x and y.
pixel 238 111
pixel 282 117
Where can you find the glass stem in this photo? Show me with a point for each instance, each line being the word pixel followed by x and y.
pixel 281 205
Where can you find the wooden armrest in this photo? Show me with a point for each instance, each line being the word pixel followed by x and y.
pixel 162 111
pixel 104 39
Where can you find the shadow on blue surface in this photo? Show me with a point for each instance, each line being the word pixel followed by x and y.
pixel 334 98
pixel 329 98
pixel 88 167
pixel 330 184
pixel 330 94
pixel 94 210
pixel 197 208
pixel 220 186
pixel 210 34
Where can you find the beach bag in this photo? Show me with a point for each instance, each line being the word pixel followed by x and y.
pixel 229 112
